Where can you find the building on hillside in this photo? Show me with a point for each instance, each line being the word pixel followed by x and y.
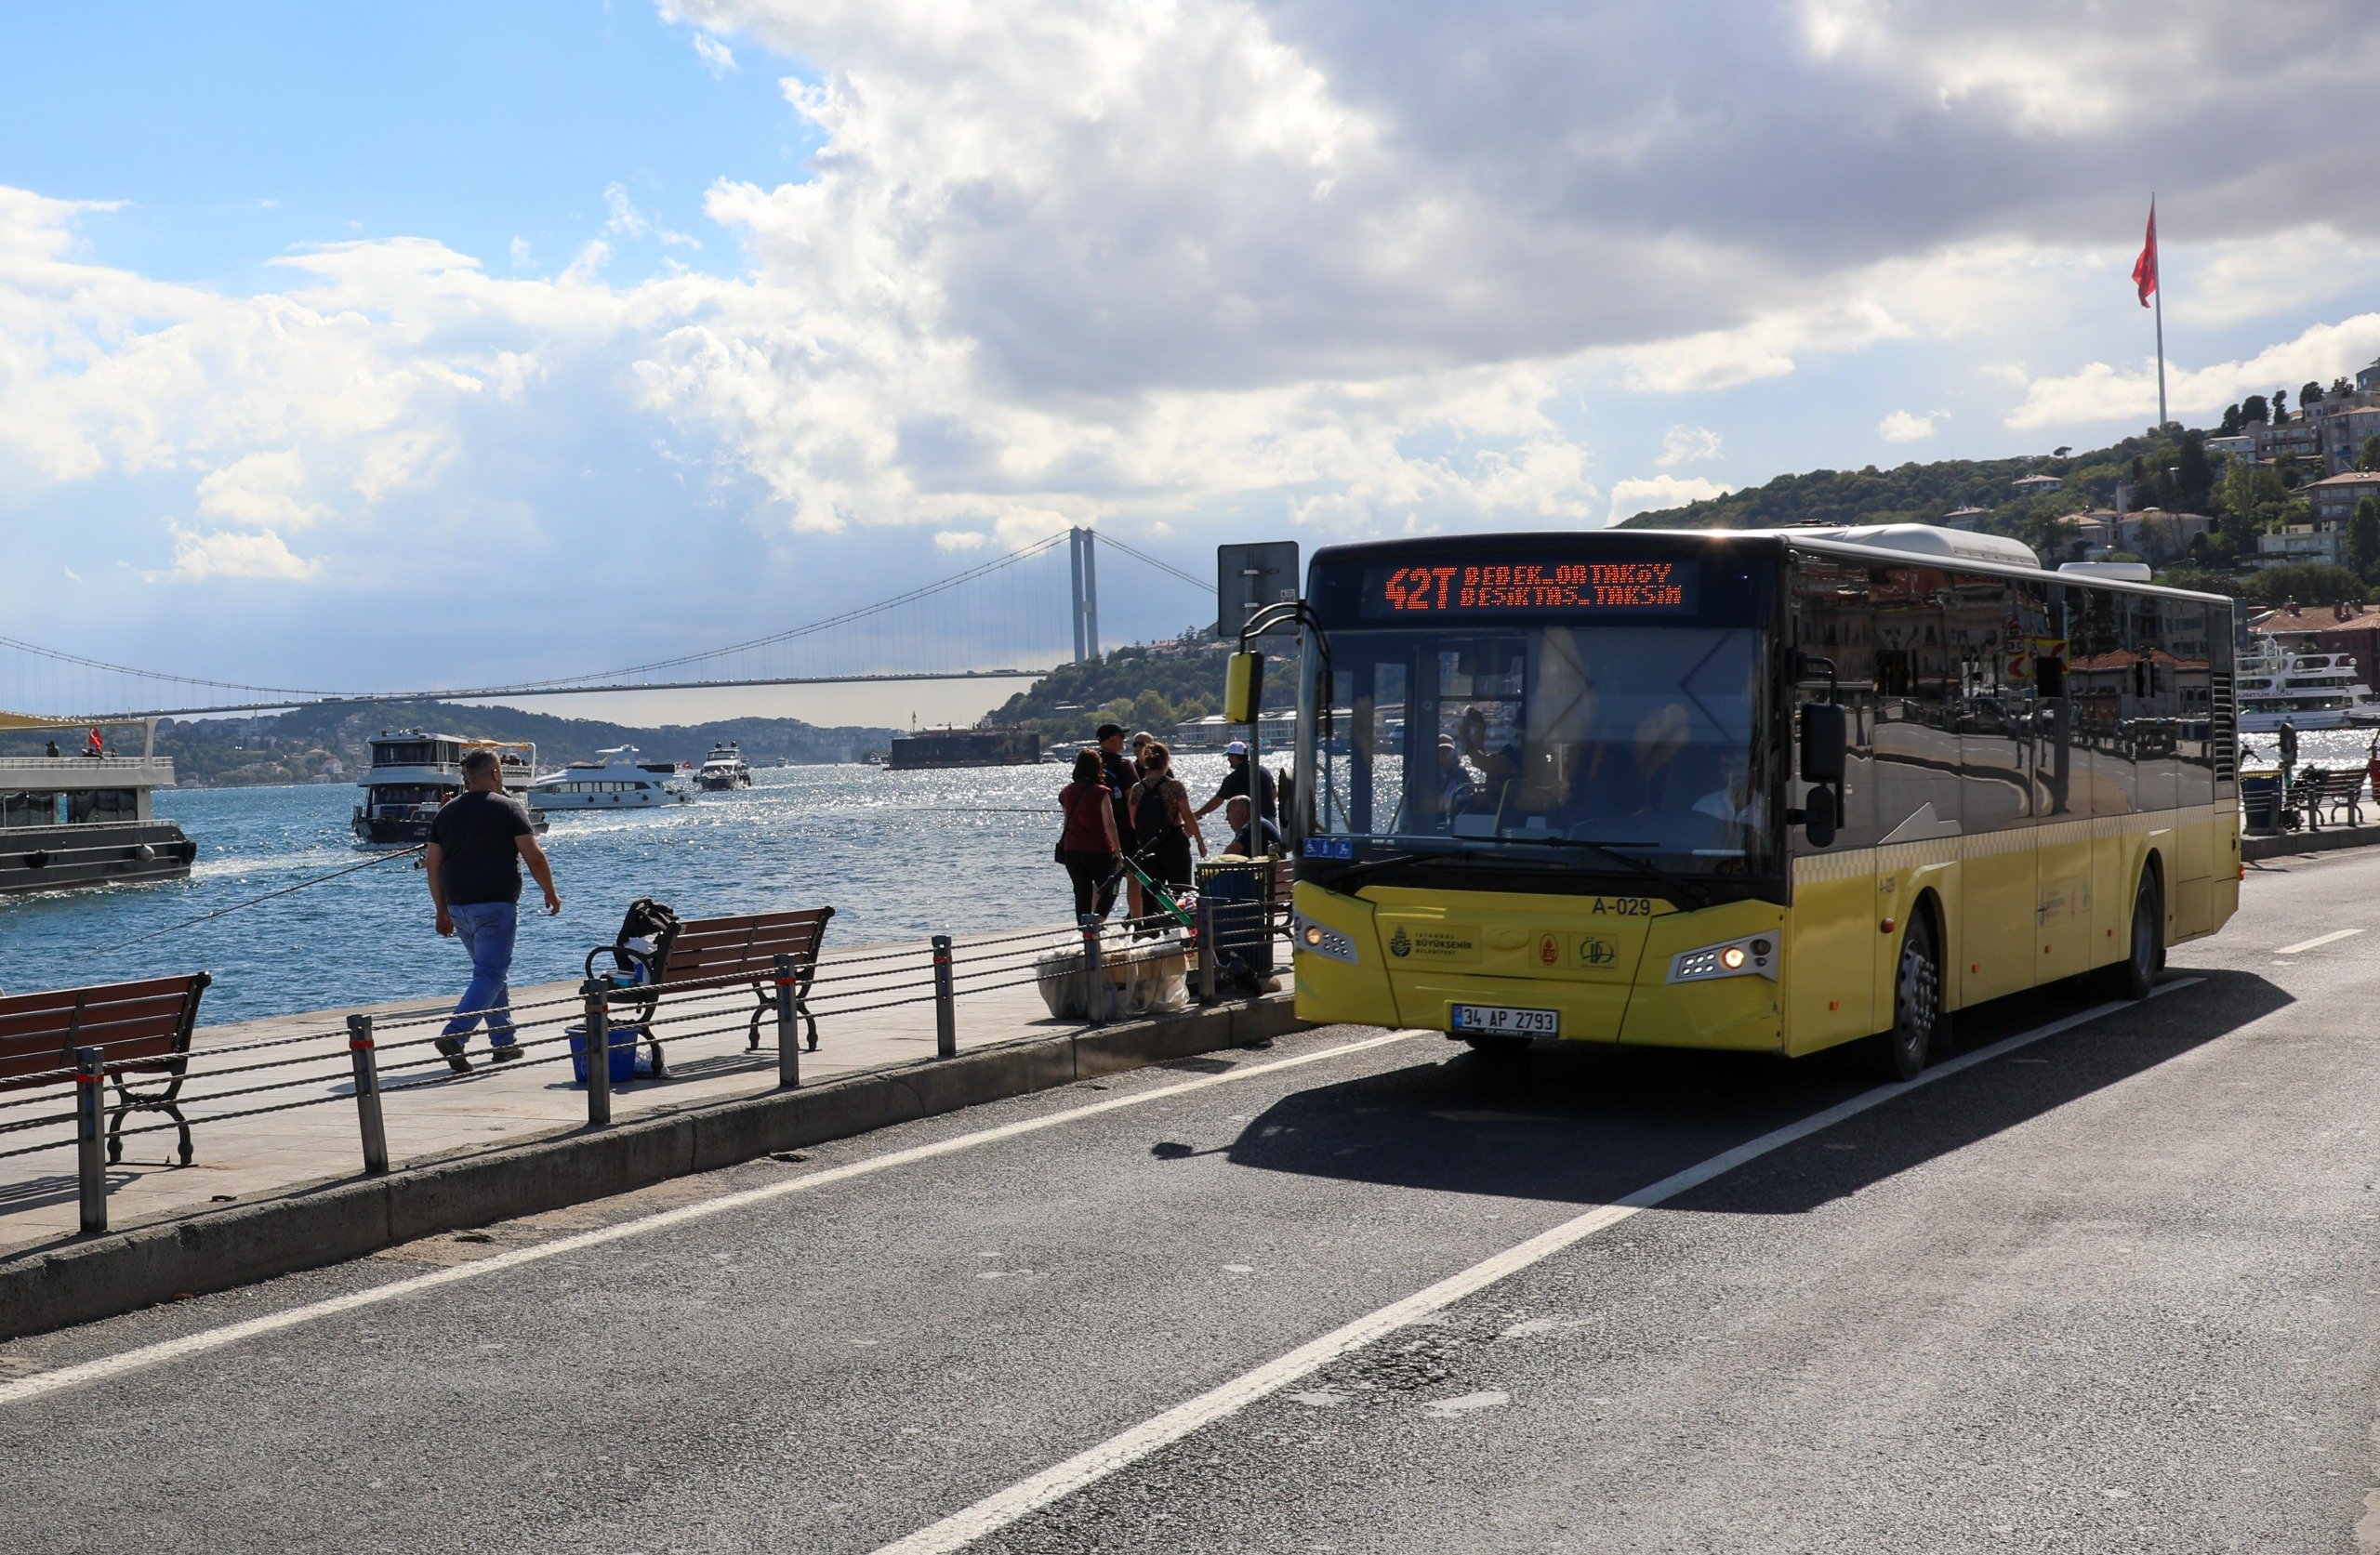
pixel 2034 485
pixel 2301 544
pixel 2334 497
pixel 2331 432
pixel 1967 519
pixel 2152 535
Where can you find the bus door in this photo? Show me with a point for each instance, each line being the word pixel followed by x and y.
pixel 2067 775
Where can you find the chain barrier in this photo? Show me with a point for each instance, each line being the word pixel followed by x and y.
pixel 360 1065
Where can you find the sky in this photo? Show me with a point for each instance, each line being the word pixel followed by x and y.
pixel 462 344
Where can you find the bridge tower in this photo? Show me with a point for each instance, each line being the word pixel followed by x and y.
pixel 1086 593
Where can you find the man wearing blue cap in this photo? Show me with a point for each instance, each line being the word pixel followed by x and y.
pixel 1236 781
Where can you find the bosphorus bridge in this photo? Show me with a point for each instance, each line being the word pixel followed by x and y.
pixel 1004 619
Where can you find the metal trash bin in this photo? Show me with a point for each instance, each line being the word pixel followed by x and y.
pixel 2260 800
pixel 1236 894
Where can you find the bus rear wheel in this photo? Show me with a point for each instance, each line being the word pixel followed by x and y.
pixel 2144 962
pixel 1902 1051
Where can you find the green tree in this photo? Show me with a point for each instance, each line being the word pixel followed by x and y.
pixel 2279 406
pixel 2311 394
pixel 1153 713
pixel 2255 411
pixel 2307 584
pixel 2363 537
pixel 2194 474
pixel 2370 459
pixel 2231 427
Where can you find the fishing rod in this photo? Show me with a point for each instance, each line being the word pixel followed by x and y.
pixel 187 923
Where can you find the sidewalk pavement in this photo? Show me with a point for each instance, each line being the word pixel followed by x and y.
pixel 432 1115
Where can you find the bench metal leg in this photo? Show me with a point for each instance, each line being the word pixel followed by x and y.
pixel 129 1101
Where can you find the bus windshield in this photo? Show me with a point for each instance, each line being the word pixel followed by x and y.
pixel 1524 740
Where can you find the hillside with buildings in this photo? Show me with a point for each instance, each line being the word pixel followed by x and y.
pixel 2272 505
pixel 326 741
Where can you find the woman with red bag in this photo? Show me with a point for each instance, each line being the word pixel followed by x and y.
pixel 1088 847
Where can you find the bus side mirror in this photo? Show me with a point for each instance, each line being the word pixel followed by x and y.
pixel 1825 747
pixel 1243 687
pixel 1825 740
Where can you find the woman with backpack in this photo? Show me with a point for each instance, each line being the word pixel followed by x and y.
pixel 1088 847
pixel 1163 823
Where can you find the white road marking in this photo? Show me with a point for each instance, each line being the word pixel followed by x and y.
pixel 1002 1508
pixel 40 1383
pixel 2335 935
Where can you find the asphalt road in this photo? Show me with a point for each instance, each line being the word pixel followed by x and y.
pixel 2117 1288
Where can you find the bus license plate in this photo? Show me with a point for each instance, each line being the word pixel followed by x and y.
pixel 1488 1019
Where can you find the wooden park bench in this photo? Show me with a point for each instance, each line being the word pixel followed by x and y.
pixel 2316 789
pixel 143 1028
pixel 702 956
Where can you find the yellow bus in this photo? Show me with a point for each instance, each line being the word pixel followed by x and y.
pixel 1768 791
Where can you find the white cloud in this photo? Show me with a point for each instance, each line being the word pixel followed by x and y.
pixel 232 554
pixel 2098 394
pixel 717 56
pixel 1687 445
pixel 625 220
pixel 1645 493
pixel 961 540
pixel 258 491
pixel 520 252
pixel 1902 425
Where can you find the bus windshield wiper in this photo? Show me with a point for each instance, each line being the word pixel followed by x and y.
pixel 1693 891
pixel 1386 861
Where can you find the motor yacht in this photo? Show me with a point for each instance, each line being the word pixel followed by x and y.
pixel 618 780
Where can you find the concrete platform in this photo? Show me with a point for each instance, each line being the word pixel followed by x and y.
pixel 432 1115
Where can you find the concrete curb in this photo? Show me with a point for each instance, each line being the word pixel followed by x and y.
pixel 2282 845
pixel 309 1227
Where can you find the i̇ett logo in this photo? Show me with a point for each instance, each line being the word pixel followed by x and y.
pixel 1399 946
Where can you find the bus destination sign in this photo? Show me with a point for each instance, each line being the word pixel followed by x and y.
pixel 1648 586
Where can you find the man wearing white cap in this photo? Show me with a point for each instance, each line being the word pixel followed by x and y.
pixel 1235 782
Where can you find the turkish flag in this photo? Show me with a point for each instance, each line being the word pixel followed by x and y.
pixel 2144 270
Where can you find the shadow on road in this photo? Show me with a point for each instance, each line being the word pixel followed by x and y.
pixel 1587 1125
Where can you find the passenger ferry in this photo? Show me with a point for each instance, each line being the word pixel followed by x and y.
pixel 2309 689
pixel 723 769
pixel 619 780
pixel 412 774
pixel 69 822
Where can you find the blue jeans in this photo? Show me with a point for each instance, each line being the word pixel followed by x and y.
pixel 486 930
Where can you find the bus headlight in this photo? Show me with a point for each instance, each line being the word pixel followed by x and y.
pixel 1754 956
pixel 1310 938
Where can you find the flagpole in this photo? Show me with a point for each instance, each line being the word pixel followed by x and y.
pixel 2160 295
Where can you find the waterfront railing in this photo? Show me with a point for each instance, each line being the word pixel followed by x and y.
pixel 380 1062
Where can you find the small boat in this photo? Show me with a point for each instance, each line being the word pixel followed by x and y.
pixel 618 780
pixel 412 774
pixel 78 821
pixel 723 769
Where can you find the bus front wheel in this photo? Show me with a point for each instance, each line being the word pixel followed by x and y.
pixel 2132 977
pixel 1917 1006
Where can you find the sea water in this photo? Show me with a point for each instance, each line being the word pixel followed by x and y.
pixel 898 855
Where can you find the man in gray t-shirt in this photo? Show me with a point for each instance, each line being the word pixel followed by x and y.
pixel 477 842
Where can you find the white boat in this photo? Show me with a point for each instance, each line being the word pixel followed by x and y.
pixel 2309 689
pixel 723 769
pixel 412 774
pixel 619 780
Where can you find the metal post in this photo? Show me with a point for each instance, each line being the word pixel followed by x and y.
pixel 599 1053
pixel 1206 950
pixel 90 1098
pixel 788 1044
pixel 365 1058
pixel 1094 982
pixel 945 1002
